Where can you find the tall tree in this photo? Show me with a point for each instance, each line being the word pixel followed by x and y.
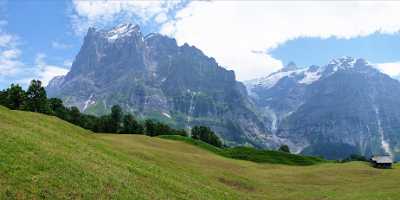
pixel 116 118
pixel 151 129
pixel 15 97
pixel 74 115
pixel 36 98
pixel 131 126
pixel 55 104
pixel 284 148
pixel 3 98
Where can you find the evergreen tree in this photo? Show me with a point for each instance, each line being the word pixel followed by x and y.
pixel 150 127
pixel 162 129
pixel 284 148
pixel 55 104
pixel 88 121
pixel 103 124
pixel 131 126
pixel 116 118
pixel 15 97
pixel 3 98
pixel 205 134
pixel 36 98
pixel 74 115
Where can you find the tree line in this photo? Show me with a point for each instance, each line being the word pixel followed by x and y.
pixel 35 99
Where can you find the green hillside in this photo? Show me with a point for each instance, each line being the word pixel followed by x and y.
pixel 42 157
pixel 251 154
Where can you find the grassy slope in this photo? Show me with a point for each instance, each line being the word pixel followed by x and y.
pixel 43 157
pixel 251 154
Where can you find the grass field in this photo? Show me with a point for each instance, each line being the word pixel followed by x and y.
pixel 42 157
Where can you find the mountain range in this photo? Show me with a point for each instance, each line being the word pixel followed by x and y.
pixel 345 107
pixel 342 108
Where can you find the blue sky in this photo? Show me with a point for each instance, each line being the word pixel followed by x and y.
pixel 376 48
pixel 39 39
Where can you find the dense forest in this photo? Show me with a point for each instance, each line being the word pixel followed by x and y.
pixel 35 99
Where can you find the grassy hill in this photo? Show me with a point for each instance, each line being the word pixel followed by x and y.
pixel 251 154
pixel 42 157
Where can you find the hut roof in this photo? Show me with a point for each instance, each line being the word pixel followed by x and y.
pixel 382 159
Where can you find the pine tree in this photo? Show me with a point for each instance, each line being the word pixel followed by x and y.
pixel 3 98
pixel 15 97
pixel 75 115
pixel 205 134
pixel 284 148
pixel 36 98
pixel 150 127
pixel 131 126
pixel 116 118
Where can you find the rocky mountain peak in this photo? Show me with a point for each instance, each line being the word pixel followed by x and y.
pixel 116 33
pixel 122 30
pixel 154 77
pixel 343 61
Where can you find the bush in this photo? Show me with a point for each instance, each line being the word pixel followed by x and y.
pixel 205 134
pixel 131 126
pixel 354 157
pixel 284 148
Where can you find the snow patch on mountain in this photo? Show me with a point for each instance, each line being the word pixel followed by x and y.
pixel 272 79
pixel 304 76
pixel 310 77
pixel 121 31
pixel 166 114
pixel 88 102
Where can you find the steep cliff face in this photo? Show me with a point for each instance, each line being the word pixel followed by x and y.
pixel 335 110
pixel 153 77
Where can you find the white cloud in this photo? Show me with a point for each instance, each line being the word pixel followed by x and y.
pixel 231 31
pixel 60 45
pixel 45 72
pixel 235 32
pixel 67 63
pixel 103 12
pixel 391 69
pixel 10 63
pixel 161 18
pixel 5 39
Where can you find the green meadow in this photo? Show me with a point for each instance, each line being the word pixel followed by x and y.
pixel 43 157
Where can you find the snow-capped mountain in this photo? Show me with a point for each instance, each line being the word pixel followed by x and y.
pixel 303 76
pixel 344 107
pixel 121 31
pixel 152 77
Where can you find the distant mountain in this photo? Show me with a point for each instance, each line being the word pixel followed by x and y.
pixel 345 107
pixel 152 77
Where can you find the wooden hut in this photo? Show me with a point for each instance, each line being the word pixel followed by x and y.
pixel 384 162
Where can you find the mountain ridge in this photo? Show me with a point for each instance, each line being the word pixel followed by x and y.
pixel 333 110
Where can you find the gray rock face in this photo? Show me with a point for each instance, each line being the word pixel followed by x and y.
pixel 153 77
pixel 342 108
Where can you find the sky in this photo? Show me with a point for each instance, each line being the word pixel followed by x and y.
pixel 40 38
